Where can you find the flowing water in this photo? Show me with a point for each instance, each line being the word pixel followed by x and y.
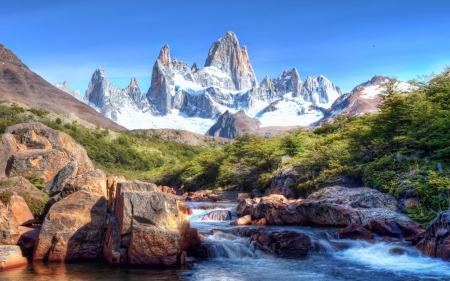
pixel 234 258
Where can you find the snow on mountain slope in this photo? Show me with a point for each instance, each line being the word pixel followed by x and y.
pixel 192 99
pixel 66 88
pixel 289 111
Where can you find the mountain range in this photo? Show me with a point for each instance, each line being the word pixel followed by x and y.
pixel 193 98
pixel 222 99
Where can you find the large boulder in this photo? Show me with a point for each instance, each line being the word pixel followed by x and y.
pixel 334 206
pixel 73 229
pixel 151 225
pixel 43 163
pixel 93 181
pixel 34 135
pixel 436 242
pixel 283 244
pixel 11 256
pixel 9 228
pixel 20 210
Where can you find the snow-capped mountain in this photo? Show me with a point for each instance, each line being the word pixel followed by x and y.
pixel 192 98
pixel 364 98
pixel 66 88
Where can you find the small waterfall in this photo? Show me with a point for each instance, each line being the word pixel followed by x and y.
pixel 225 245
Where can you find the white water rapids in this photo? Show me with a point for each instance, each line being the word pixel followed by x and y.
pixel 235 258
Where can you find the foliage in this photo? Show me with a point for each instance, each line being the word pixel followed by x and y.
pixel 35 180
pixel 5 196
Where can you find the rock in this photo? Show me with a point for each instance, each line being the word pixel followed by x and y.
pixel 36 136
pixel 93 181
pixel 57 184
pixel 334 206
pixel 260 222
pixel 44 163
pixel 7 148
pixel 152 245
pixel 284 244
pixel 361 197
pixel 9 227
pixel 436 242
pixel 28 237
pixel 166 189
pixel 19 208
pixel 354 231
pixel 111 187
pixel 255 193
pixel 243 196
pixel 218 215
pixel 283 182
pixel 133 186
pixel 159 230
pixel 245 220
pixel 11 256
pixel 111 246
pixel 396 227
pixel 73 229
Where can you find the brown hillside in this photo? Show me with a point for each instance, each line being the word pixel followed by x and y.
pixel 19 84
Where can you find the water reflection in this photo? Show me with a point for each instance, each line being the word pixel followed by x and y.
pixel 88 271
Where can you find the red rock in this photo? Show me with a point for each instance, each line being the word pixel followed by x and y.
pixel 260 222
pixel 111 246
pixel 44 163
pixel 11 256
pixel 20 210
pixel 93 181
pixel 284 244
pixel 355 231
pixel 73 229
pixel 9 228
pixel 436 242
pixel 245 220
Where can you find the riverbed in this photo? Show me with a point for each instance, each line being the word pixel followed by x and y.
pixel 235 258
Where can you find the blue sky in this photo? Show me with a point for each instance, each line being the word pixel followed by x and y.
pixel 346 41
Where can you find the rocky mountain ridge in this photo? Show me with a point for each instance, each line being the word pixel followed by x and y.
pixel 192 98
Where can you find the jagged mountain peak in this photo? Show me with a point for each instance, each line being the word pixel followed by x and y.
pixel 194 68
pixel 164 56
pixel 226 55
pixel 133 83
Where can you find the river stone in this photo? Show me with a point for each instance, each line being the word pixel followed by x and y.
pixel 156 219
pixel 9 228
pixel 436 242
pixel 354 231
pixel 153 245
pixel 44 163
pixel 283 244
pixel 11 256
pixel 73 229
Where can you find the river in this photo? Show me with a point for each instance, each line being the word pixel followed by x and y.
pixel 234 258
